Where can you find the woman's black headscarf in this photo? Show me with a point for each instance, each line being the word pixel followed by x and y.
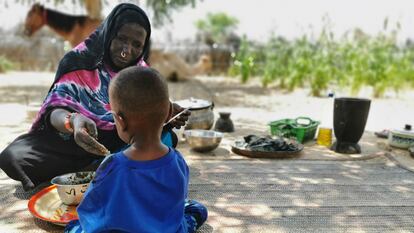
pixel 98 43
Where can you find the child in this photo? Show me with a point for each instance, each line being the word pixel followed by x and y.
pixel 144 188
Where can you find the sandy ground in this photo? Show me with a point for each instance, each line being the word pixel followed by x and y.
pixel 251 106
pixel 22 92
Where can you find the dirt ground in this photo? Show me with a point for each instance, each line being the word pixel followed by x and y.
pixel 251 107
pixel 23 92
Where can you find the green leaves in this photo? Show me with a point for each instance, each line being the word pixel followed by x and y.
pixel 352 62
pixel 160 9
pixel 218 25
pixel 5 64
pixel 244 62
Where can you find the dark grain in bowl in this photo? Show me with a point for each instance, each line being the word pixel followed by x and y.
pixel 74 178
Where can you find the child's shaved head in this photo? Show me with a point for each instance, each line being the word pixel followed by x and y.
pixel 141 93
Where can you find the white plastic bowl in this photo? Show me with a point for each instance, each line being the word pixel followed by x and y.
pixel 72 186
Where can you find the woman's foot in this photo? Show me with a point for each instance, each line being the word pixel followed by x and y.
pixel 28 186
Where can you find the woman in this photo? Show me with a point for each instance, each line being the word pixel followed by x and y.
pixel 76 110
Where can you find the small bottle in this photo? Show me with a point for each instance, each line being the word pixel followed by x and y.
pixel 331 94
pixel 324 137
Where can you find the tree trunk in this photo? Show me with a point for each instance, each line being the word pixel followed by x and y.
pixel 94 7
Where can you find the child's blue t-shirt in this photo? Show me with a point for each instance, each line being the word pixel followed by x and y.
pixel 136 196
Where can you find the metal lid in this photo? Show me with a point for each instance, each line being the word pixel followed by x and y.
pixel 194 104
pixel 403 133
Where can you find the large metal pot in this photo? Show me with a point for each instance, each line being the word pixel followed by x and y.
pixel 202 116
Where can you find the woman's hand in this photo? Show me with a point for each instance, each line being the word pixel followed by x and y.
pixel 85 134
pixel 182 119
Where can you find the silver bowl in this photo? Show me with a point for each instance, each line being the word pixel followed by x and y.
pixel 72 186
pixel 203 140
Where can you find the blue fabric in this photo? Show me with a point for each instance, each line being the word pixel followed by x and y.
pixel 196 210
pixel 137 196
pixel 195 215
pixel 166 138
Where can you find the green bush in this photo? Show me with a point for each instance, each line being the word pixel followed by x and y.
pixel 355 60
pixel 217 25
pixel 5 64
pixel 244 62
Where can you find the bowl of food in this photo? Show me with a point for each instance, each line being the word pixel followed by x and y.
pixel 72 186
pixel 203 140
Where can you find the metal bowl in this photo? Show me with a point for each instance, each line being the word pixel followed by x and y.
pixel 72 186
pixel 203 140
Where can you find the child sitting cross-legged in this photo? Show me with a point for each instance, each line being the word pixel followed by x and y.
pixel 145 187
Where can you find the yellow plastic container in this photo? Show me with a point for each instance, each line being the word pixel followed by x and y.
pixel 324 137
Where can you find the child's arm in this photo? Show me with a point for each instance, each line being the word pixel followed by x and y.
pixel 91 210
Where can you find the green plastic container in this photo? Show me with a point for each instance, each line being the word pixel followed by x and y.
pixel 302 128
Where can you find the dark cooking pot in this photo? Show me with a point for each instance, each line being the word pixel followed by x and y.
pixel 202 116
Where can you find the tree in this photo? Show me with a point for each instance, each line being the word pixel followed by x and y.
pixel 217 26
pixel 160 9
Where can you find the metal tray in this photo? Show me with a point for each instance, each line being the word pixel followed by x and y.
pixel 46 205
pixel 241 150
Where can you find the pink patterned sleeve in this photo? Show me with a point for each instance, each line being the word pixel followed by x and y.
pixel 142 63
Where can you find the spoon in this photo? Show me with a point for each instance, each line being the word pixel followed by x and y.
pixel 173 118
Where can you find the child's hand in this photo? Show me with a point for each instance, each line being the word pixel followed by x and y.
pixel 182 119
